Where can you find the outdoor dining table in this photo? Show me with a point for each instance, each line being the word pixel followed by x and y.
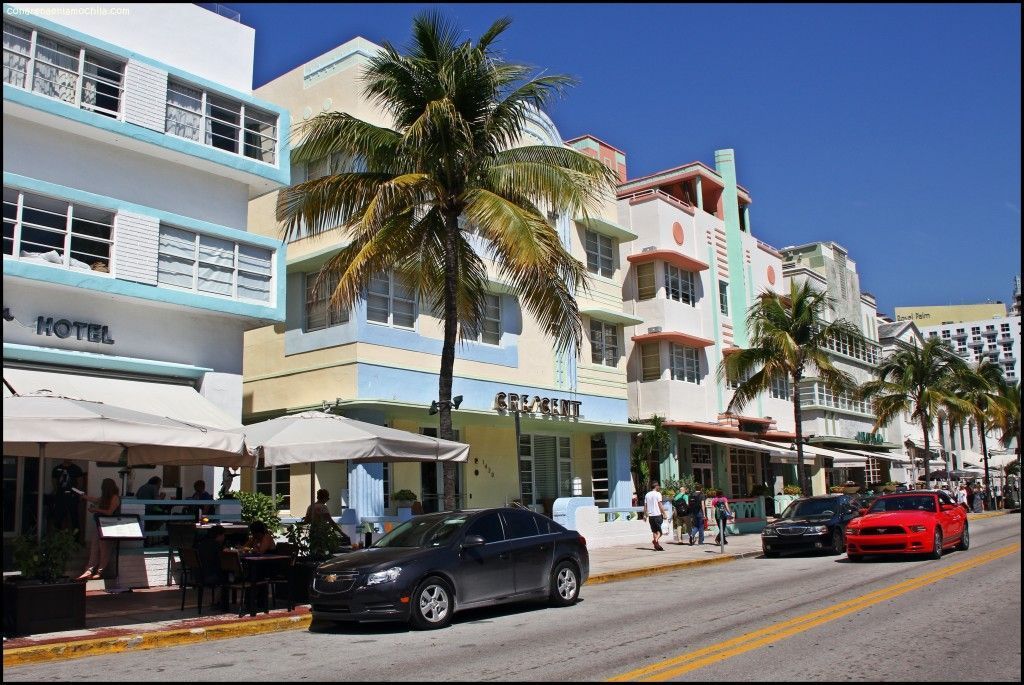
pixel 265 567
pixel 236 533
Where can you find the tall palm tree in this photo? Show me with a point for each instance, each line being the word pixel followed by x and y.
pixel 647 444
pixel 918 381
pixel 789 338
pixel 977 387
pixel 408 196
pixel 1005 416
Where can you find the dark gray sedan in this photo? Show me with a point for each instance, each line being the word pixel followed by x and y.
pixel 811 524
pixel 431 566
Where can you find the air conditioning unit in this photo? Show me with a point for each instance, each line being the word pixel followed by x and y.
pixel 649 248
pixel 654 329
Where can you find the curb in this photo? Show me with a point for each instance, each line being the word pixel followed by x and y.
pixel 613 576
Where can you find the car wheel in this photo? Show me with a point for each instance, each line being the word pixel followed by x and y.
pixel 838 542
pixel 965 539
pixel 432 605
pixel 937 544
pixel 565 584
pixel 855 558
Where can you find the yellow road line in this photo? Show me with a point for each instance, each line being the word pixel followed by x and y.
pixel 779 631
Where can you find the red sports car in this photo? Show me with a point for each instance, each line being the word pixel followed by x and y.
pixel 916 522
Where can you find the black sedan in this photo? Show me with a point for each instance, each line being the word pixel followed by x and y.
pixel 811 524
pixel 433 565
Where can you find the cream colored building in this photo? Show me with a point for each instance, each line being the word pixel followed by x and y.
pixel 379 362
pixel 946 314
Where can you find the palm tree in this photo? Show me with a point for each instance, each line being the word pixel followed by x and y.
pixel 788 338
pixel 407 197
pixel 918 381
pixel 1005 417
pixel 647 444
pixel 977 388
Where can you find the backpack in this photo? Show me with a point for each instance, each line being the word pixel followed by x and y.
pixel 696 503
pixel 720 507
pixel 681 507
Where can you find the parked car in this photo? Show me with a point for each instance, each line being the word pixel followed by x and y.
pixel 811 524
pixel 433 565
pixel 915 522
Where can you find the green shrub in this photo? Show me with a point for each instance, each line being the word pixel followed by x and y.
pixel 45 560
pixel 791 490
pixel 316 541
pixel 404 496
pixel 257 506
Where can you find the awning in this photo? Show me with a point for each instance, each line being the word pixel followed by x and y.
pixel 840 459
pixel 773 450
pixel 180 402
pixel 677 337
pixel 894 457
pixel 674 257
pixel 611 316
pixel 606 227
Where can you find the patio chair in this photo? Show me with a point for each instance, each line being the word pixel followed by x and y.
pixel 179 536
pixel 240 579
pixel 192 575
pixel 285 576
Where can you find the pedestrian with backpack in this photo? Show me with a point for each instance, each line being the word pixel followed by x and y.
pixel 696 508
pixel 720 505
pixel 681 505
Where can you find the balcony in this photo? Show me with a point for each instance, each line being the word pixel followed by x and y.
pixel 960 334
pixel 128 102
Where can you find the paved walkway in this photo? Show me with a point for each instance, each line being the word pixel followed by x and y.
pixel 150 618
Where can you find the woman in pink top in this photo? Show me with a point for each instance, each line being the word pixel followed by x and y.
pixel 720 507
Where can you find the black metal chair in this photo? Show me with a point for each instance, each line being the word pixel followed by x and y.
pixel 179 536
pixel 284 576
pixel 239 579
pixel 193 575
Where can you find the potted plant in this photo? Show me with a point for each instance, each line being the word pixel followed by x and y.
pixel 257 506
pixel 669 489
pixel 43 599
pixel 851 488
pixel 890 486
pixel 836 489
pixel 314 543
pixel 792 489
pixel 404 498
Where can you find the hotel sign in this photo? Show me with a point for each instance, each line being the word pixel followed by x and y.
pixel 68 328
pixel 551 406
pixel 870 438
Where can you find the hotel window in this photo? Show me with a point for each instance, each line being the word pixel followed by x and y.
pixel 599 469
pixel 685 364
pixel 319 312
pixel 490 329
pixel 391 302
pixel 975 330
pixel 1008 347
pixel 273 481
pixel 679 285
pixel 723 297
pixel 1004 327
pixel 650 362
pixel 63 71
pixel 57 232
pixel 215 266
pixel 743 470
pixel 945 335
pixel 780 388
pixel 872 471
pixel 600 251
pixel 990 328
pixel 220 122
pixel 545 468
pixel 646 288
pixel 604 343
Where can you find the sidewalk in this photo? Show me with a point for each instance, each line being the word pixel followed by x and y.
pixel 151 618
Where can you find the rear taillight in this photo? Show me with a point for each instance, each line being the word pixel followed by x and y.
pixel 583 541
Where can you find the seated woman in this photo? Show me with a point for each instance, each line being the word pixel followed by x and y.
pixel 260 540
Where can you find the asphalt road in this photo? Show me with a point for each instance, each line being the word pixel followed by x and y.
pixel 808 618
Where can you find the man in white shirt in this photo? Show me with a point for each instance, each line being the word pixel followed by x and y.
pixel 652 507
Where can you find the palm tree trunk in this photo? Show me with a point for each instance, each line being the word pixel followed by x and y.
pixel 927 453
pixel 984 454
pixel 447 371
pixel 798 421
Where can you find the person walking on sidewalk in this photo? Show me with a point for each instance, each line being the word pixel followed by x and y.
pixel 720 505
pixel 683 522
pixel 697 515
pixel 655 516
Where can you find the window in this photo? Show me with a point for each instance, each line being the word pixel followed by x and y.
pixel 604 343
pixel 646 288
pixel 488 527
pixel 723 297
pixel 780 388
pixel 220 122
pixel 975 330
pixel 650 362
pixel 873 471
pixel 685 364
pixel 385 479
pixel 319 312
pixel 599 469
pixel 945 335
pixel 990 328
pixel 275 480
pixel 63 71
pixel 56 231
pixel 215 266
pixel 743 470
pixel 520 524
pixel 679 284
pixel 600 259
pixel 545 468
pixel 1004 327
pixel 490 330
pixel 391 302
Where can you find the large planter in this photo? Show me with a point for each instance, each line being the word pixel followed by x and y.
pixel 302 576
pixel 31 607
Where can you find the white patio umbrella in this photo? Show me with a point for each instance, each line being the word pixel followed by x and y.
pixel 43 425
pixel 313 436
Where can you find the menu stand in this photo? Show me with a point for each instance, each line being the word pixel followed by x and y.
pixel 118 528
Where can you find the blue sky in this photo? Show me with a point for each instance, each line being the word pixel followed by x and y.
pixel 893 130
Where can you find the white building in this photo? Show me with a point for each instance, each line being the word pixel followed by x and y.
pixel 996 340
pixel 132 146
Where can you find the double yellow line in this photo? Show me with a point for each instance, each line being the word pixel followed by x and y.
pixel 676 666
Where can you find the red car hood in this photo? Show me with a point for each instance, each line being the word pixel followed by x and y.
pixel 896 518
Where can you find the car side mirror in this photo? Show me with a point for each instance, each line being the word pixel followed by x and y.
pixel 863 512
pixel 948 507
pixel 473 541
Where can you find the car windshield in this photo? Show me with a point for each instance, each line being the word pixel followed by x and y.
pixel 424 531
pixel 811 508
pixel 904 503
